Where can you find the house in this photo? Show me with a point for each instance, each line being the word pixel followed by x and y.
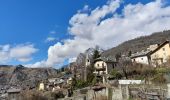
pixel 141 57
pixel 52 80
pixel 41 86
pixel 14 94
pixel 155 55
pixel 104 65
pixel 161 54
pixel 54 83
pixel 69 81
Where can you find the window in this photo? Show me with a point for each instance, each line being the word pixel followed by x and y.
pixel 163 49
pixel 102 64
pixel 134 60
pixel 164 54
pixel 98 65
pixel 141 58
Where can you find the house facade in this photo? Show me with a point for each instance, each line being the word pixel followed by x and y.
pixel 143 59
pixel 161 54
pixel 104 65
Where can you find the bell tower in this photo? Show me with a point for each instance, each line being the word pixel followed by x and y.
pixel 88 62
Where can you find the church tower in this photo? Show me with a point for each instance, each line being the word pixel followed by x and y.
pixel 88 62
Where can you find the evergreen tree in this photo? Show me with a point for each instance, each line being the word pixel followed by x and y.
pixel 96 54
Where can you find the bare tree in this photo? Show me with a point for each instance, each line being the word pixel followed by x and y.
pixel 124 66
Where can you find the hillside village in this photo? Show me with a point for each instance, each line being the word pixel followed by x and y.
pixel 139 75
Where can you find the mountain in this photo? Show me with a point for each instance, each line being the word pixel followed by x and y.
pixel 24 77
pixel 138 44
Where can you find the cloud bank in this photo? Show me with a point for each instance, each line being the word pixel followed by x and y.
pixel 22 52
pixel 50 39
pixel 103 26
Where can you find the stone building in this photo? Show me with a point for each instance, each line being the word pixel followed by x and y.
pixel 14 94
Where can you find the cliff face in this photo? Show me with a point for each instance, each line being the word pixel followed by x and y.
pixel 24 77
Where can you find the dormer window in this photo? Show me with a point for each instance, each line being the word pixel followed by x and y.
pixel 102 64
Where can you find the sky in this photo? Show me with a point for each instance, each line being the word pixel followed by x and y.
pixel 51 33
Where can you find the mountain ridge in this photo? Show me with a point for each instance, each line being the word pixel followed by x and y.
pixel 23 76
pixel 138 44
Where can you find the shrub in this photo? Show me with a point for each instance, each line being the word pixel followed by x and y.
pixel 159 79
pixel 33 95
pixel 57 95
pixel 94 81
pixel 38 97
pixel 81 84
pixel 101 97
pixel 115 74
pixel 162 70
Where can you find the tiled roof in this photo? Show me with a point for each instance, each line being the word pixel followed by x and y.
pixel 105 59
pixel 140 54
pixel 13 90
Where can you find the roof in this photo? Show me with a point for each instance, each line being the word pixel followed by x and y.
pixel 160 46
pixel 52 79
pixel 13 90
pixel 140 54
pixel 107 60
pixel 59 81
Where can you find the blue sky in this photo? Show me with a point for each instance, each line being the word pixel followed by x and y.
pixel 40 24
pixel 32 21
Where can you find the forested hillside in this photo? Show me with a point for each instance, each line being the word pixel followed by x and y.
pixel 138 44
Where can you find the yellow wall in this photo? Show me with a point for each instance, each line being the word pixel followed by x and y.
pixel 163 53
pixel 41 86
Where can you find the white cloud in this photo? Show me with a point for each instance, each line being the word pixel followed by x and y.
pixel 85 9
pixel 37 64
pixel 52 32
pixel 72 59
pixel 20 53
pixel 49 39
pixel 97 28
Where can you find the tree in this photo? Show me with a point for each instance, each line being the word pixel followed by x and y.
pixel 62 69
pixel 96 54
pixel 124 65
pixel 90 69
pixel 129 53
pixel 118 56
pixel 74 80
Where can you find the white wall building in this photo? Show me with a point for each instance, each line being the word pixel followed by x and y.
pixel 104 65
pixel 143 59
